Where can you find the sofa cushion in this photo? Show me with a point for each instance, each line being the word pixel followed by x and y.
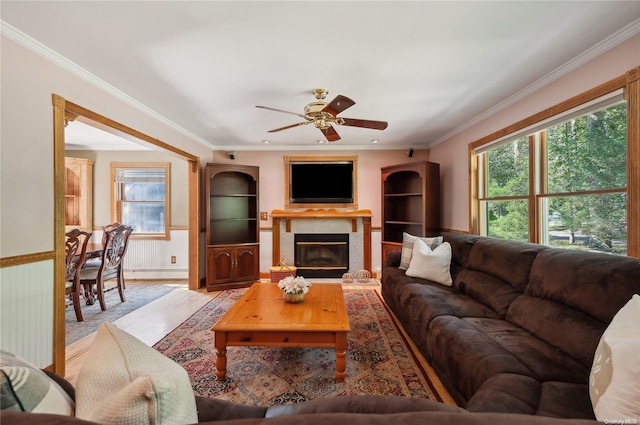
pixel 595 283
pixel 572 296
pixel 544 361
pixel 420 302
pixel 431 264
pixel 408 241
pixel 614 384
pixel 497 271
pixel 564 400
pixel 137 384
pixel 24 387
pixel 507 392
pixel 487 289
pixel 563 327
pixel 461 245
pixel 467 356
pixel 509 261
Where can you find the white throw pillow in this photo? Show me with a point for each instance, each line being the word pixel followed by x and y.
pixel 124 381
pixel 432 265
pixel 614 383
pixel 408 240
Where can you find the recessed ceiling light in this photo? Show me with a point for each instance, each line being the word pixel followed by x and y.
pixel 266 142
pixel 319 141
pixel 374 141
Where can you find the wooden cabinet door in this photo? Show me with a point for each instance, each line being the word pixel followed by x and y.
pixel 220 265
pixel 247 263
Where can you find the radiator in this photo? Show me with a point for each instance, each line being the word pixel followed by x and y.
pixel 151 258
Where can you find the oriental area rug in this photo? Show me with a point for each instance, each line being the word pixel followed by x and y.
pixel 379 359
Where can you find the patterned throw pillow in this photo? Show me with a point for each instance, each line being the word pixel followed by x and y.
pixel 137 384
pixel 26 388
pixel 614 383
pixel 407 247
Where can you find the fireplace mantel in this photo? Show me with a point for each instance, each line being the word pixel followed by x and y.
pixel 354 216
pixel 288 215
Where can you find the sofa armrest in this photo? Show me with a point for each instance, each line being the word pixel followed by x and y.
pixel 377 404
pixel 211 409
pixel 392 259
pixel 14 417
pixel 64 384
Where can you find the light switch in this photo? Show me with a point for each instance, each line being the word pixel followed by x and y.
pixel 263 215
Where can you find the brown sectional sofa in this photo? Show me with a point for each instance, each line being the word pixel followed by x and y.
pixel 518 329
pixel 352 410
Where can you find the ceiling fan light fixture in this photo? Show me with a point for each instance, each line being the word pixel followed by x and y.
pixel 323 115
pixel 320 93
pixel 314 108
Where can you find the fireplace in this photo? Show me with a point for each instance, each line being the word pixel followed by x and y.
pixel 321 254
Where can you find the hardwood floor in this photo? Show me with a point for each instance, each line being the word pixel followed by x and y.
pixel 149 323
pixel 153 321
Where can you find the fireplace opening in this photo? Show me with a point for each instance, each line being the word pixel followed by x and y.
pixel 321 254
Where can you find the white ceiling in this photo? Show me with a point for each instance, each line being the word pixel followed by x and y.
pixel 428 68
pixel 79 135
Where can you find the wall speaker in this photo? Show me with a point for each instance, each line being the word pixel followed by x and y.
pixel 410 152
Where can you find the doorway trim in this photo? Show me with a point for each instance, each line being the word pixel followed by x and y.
pixel 63 112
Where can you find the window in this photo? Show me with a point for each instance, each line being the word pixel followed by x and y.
pixel 586 179
pixel 504 195
pixel 563 184
pixel 140 197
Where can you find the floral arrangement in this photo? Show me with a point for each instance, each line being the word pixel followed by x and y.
pixel 294 285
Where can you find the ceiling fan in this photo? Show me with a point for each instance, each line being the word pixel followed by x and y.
pixel 323 115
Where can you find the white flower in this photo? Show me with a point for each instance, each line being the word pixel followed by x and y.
pixel 294 285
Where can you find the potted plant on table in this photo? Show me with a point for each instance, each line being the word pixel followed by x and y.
pixel 295 288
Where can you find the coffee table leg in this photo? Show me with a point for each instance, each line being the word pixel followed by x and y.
pixel 341 356
pixel 221 355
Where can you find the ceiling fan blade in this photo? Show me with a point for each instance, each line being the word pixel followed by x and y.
pixel 289 126
pixel 339 104
pixel 331 134
pixel 354 122
pixel 281 110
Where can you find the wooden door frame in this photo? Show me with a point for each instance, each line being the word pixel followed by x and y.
pixel 64 112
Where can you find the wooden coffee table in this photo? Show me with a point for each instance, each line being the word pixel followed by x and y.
pixel 262 318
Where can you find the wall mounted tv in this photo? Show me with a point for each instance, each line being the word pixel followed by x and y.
pixel 321 181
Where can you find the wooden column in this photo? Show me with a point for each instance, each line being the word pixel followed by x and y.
pixel 632 94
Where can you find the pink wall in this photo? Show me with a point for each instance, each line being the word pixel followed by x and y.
pixel 452 154
pixel 271 165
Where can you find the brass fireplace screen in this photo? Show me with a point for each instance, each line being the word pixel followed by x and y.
pixel 321 254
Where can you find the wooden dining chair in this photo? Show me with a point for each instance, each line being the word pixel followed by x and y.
pixel 95 274
pixel 75 253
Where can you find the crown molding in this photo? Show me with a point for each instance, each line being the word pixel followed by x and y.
pixel 591 53
pixel 54 57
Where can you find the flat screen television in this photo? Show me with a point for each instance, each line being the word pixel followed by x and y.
pixel 322 182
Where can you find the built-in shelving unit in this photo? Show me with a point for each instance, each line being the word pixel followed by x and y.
pixel 232 229
pixel 410 202
pixel 78 194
